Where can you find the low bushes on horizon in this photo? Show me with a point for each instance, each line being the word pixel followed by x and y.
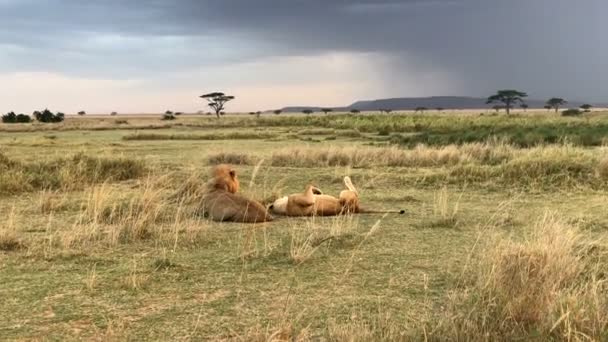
pixel 46 116
pixel 11 117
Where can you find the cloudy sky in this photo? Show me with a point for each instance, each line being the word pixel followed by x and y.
pixel 154 55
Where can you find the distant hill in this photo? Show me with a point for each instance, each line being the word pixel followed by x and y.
pixel 411 103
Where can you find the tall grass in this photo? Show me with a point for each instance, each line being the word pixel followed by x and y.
pixel 421 156
pixel 550 285
pixel 212 136
pixel 66 173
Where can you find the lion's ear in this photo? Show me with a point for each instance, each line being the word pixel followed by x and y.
pixel 233 174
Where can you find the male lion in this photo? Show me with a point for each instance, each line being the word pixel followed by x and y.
pixel 312 202
pixel 222 203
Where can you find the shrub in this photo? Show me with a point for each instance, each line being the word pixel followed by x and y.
pixel 168 116
pixel 114 113
pixel 11 117
pixel 47 116
pixel 82 112
pixel 572 112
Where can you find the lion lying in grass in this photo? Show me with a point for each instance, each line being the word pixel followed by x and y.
pixel 312 202
pixel 222 203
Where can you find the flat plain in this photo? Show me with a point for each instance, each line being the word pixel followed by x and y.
pixel 504 236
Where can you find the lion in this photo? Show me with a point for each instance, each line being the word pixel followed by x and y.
pixel 221 202
pixel 312 202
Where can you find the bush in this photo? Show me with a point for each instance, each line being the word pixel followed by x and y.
pixel 168 116
pixel 82 112
pixel 16 118
pixel 572 112
pixel 47 116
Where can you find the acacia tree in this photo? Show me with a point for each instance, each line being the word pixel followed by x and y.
pixel 547 107
pixel 420 109
pixel 278 111
pixel 307 111
pixel 524 106
pixel 355 111
pixel 556 102
pixel 586 107
pixel 326 110
pixel 217 101
pixel 497 108
pixel 439 109
pixel 385 110
pixel 509 97
pixel 82 112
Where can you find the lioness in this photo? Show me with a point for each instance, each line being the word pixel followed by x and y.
pixel 312 202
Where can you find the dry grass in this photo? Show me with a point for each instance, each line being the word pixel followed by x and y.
pixel 445 211
pixel 420 156
pixel 212 136
pixel 551 285
pixel 65 174
pixel 230 158
pixel 9 238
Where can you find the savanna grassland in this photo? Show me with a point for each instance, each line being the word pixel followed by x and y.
pixel 504 236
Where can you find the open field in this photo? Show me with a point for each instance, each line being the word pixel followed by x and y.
pixel 504 236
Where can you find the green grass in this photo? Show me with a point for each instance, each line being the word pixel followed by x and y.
pixel 125 254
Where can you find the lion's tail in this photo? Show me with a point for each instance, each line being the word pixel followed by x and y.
pixel 349 185
pixel 371 211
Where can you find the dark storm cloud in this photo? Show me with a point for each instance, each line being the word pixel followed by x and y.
pixel 548 47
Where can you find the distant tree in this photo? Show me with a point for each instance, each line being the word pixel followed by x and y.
pixel 326 110
pixel 509 97
pixel 556 102
pixel 47 116
pixel 113 113
pixel 586 107
pixel 524 106
pixel 497 108
pixel 547 107
pixel 82 112
pixel 179 113
pixel 217 101
pixel 572 112
pixel 278 111
pixel 420 109
pixel 251 113
pixel 11 117
pixel 355 111
pixel 439 109
pixel 385 110
pixel 168 116
pixel 307 111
